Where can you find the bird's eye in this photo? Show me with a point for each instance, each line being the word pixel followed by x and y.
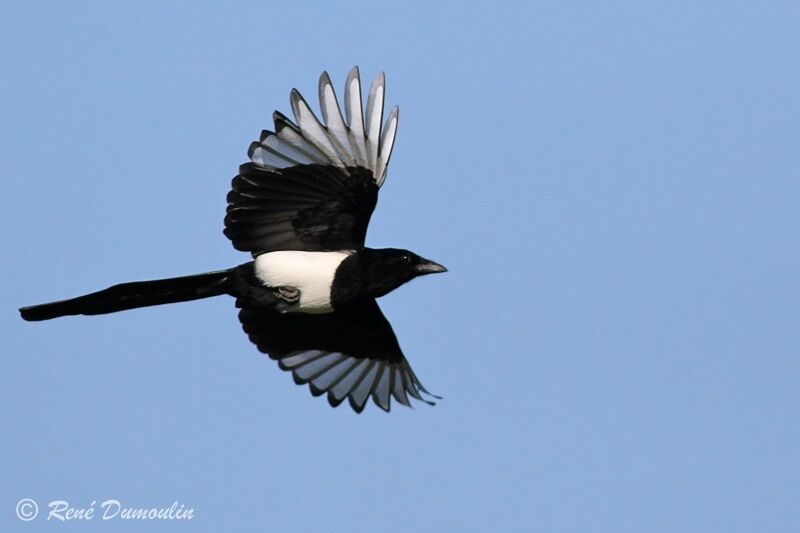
pixel 405 259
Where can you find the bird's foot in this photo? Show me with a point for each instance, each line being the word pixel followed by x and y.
pixel 288 294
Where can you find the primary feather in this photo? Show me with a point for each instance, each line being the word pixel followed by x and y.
pixel 362 140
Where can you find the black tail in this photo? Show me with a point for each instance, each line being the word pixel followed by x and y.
pixel 133 295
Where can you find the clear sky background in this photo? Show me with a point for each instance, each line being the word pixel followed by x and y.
pixel 615 189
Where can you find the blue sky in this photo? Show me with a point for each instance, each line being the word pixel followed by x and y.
pixel 615 190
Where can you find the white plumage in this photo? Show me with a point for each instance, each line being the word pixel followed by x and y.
pixel 310 272
pixel 360 140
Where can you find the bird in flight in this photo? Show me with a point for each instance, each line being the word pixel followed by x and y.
pixel 301 207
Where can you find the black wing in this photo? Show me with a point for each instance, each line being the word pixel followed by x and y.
pixel 351 353
pixel 305 207
pixel 312 186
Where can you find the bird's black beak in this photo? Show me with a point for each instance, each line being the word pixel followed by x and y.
pixel 429 267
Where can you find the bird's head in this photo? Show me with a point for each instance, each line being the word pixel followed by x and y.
pixel 385 269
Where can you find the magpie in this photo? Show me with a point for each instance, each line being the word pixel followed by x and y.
pixel 301 206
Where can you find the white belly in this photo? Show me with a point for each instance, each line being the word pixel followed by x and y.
pixel 310 272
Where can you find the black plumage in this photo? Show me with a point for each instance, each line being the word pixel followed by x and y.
pixel 304 207
pixel 134 295
pixel 301 207
pixel 353 343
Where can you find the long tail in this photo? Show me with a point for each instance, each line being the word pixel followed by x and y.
pixel 133 295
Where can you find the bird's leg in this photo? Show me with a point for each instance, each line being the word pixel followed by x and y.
pixel 288 294
pixel 287 298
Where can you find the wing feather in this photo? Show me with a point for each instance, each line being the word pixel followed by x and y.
pixel 313 207
pixel 334 123
pixel 312 130
pixel 373 121
pixel 355 118
pixel 327 172
pixel 349 354
pixel 387 143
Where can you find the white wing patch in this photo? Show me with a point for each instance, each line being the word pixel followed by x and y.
pixel 344 377
pixel 360 138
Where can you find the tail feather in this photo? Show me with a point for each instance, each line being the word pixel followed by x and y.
pixel 133 295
